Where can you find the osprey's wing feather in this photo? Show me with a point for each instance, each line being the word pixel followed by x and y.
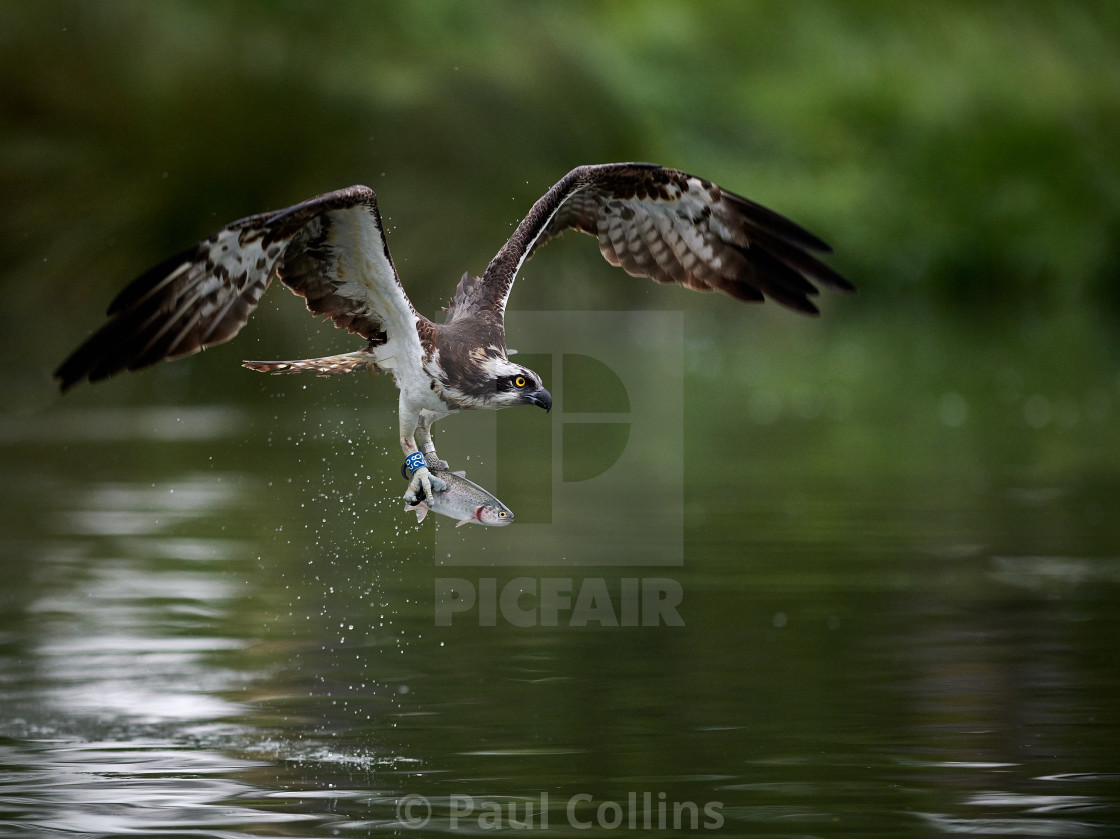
pixel 330 250
pixel 670 226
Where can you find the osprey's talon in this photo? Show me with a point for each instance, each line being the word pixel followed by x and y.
pixel 422 485
pixel 431 458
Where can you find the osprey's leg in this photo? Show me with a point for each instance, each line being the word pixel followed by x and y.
pixel 422 479
pixel 427 447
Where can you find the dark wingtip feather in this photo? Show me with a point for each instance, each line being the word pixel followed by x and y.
pixel 776 224
pixel 79 365
pixel 135 290
pixel 65 378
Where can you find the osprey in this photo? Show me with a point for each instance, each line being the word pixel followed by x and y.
pixel 650 221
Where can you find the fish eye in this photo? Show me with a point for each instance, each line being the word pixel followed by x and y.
pixel 501 514
pixel 519 381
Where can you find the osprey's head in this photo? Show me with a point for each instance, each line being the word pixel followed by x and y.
pixel 517 385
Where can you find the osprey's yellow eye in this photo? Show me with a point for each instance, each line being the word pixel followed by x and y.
pixel 519 381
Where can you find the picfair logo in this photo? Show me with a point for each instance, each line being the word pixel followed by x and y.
pixel 592 407
pixel 599 480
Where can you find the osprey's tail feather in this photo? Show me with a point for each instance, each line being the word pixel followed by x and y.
pixel 329 365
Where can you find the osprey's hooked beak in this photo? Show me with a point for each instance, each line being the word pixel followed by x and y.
pixel 541 398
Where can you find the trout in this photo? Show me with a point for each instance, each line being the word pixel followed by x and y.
pixel 463 500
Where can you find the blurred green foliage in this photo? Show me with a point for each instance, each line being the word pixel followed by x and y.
pixel 962 157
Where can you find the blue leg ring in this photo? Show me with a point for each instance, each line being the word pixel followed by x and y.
pixel 411 463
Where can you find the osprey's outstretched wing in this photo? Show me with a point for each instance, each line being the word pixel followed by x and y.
pixel 668 225
pixel 329 250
